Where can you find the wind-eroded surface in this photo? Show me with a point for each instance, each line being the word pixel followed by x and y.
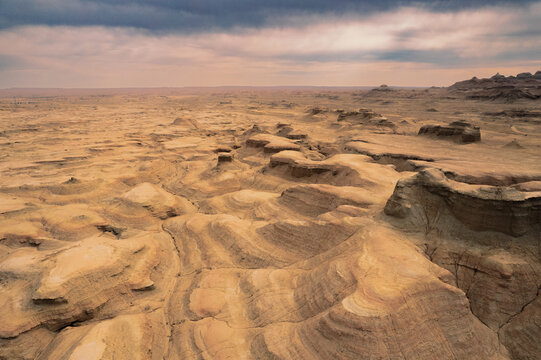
pixel 170 227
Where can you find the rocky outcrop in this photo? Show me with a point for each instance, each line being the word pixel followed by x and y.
pixel 364 117
pixel 459 131
pixel 506 94
pixel 225 157
pixel 158 201
pixel 498 284
pixel 123 337
pixel 299 165
pixel 524 86
pixel 290 133
pixel 188 123
pixel 499 278
pixel 477 163
pixel 366 318
pixel 481 208
pixel 485 236
pixel 522 79
pixel 271 143
pixel 382 88
pixel 330 303
pixel 516 113
pixel 316 110
pixel 79 279
pixel 317 199
pixel 340 169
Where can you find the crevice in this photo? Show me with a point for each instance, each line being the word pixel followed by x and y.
pixel 521 310
pixel 167 311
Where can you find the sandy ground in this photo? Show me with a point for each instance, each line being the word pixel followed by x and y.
pixel 239 224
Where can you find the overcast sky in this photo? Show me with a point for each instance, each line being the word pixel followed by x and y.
pixel 148 43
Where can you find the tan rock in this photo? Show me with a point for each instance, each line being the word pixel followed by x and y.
pixel 121 237
pixel 481 208
pixel 158 201
pixel 271 143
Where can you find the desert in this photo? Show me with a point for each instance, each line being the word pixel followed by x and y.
pixel 270 180
pixel 272 223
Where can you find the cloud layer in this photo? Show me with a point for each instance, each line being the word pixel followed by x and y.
pixel 205 15
pixel 407 45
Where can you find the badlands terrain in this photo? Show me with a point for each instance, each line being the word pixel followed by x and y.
pixel 272 223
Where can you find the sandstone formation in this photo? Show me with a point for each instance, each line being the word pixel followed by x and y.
pixel 224 157
pixel 270 143
pixel 269 224
pixel 381 89
pixel 290 133
pixel 481 208
pixel 365 117
pixel 474 163
pixel 459 131
pixel 523 86
pixel 158 201
pixel 499 278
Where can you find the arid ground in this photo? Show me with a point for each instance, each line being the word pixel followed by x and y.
pixel 270 224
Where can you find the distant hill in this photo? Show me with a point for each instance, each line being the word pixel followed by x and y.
pixel 499 87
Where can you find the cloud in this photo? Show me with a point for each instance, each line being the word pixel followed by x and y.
pixel 399 47
pixel 205 15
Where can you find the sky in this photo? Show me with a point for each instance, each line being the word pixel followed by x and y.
pixel 175 43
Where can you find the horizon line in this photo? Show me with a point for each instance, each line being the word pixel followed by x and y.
pixel 217 87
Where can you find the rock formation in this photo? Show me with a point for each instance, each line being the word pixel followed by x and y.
pixel 499 281
pixel 481 208
pixel 501 88
pixel 336 234
pixel 270 143
pixel 459 131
